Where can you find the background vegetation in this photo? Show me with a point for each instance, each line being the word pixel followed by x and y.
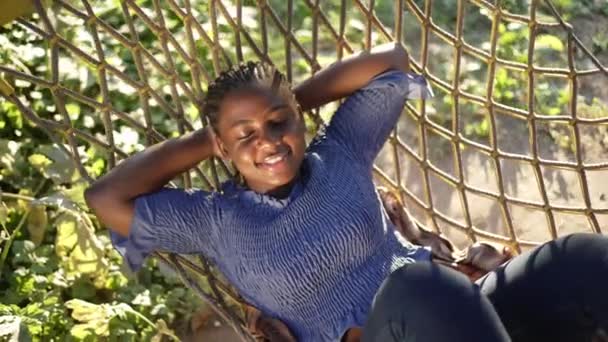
pixel 60 278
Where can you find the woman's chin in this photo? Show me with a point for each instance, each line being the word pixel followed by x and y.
pixel 285 181
pixel 273 178
pixel 278 174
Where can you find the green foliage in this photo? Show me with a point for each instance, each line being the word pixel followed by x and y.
pixel 60 278
pixel 70 286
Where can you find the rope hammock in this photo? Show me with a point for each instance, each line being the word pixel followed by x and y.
pixel 427 158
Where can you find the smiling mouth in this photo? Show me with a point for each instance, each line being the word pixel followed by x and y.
pixel 274 160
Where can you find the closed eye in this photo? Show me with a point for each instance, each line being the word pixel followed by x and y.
pixel 282 119
pixel 278 123
pixel 245 136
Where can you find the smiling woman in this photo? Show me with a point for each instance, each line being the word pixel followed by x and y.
pixel 104 78
pixel 314 270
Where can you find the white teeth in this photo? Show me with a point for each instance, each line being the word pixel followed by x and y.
pixel 274 158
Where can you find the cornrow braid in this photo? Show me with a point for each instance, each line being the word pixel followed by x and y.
pixel 242 76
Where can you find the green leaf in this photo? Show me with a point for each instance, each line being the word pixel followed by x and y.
pixel 163 329
pixel 22 285
pixel 36 223
pixel 67 234
pixel 86 260
pixel 24 252
pixel 3 213
pixel 8 151
pixel 115 280
pixel 142 299
pixel 75 193
pixel 159 309
pixel 73 110
pixel 58 280
pixel 54 163
pixel 77 241
pixel 8 309
pixel 58 200
pixel 84 311
pixel 95 317
pixel 83 289
pixel 82 332
pixel 547 41
pixel 13 114
pixel 39 161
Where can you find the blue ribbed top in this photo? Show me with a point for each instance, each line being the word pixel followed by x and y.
pixel 315 259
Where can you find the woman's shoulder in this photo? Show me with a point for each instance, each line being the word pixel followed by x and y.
pixel 329 150
pixel 323 144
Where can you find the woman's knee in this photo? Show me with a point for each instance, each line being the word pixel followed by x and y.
pixel 430 302
pixel 563 264
pixel 424 284
pixel 579 250
pixel 584 242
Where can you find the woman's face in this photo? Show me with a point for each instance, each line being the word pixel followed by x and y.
pixel 263 136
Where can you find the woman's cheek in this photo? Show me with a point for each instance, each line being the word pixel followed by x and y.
pixel 244 154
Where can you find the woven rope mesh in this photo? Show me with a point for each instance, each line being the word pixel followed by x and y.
pixel 509 150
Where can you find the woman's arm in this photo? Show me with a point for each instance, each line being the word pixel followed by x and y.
pixel 112 196
pixel 344 77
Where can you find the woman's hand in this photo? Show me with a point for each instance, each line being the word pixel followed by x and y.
pixel 216 150
pixel 350 74
pixel 269 329
pixel 481 258
pixel 441 247
pixel 474 261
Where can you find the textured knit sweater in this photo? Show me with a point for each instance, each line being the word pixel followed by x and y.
pixel 315 259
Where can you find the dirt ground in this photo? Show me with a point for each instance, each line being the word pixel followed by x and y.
pixel 214 330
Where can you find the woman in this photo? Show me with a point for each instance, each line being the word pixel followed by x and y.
pixel 304 237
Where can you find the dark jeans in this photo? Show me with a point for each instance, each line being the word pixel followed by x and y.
pixel 556 292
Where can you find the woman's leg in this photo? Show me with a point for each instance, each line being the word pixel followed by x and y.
pixel 556 292
pixel 428 302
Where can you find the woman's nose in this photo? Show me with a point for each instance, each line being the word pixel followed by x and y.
pixel 269 137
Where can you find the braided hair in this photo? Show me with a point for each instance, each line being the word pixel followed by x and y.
pixel 243 76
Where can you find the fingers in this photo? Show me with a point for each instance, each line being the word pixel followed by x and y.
pixel 252 316
pixel 399 216
pixel 475 261
pixel 472 272
pixel 487 256
pixel 265 327
pixel 275 330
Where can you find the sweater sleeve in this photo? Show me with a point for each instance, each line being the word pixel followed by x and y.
pixel 170 220
pixel 364 121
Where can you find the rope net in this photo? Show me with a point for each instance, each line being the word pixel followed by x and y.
pixel 511 132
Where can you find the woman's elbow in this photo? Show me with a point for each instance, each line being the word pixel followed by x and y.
pixel 98 198
pixel 93 196
pixel 111 210
pixel 401 58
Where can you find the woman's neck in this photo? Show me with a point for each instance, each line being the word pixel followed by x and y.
pixel 279 192
pixel 282 191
